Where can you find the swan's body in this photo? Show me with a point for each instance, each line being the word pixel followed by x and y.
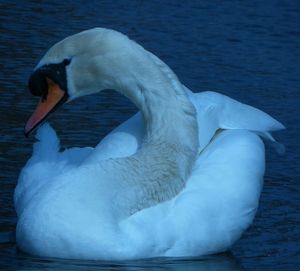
pixel 182 178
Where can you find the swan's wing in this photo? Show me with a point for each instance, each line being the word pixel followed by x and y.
pixel 121 142
pixel 218 203
pixel 216 111
pixel 47 161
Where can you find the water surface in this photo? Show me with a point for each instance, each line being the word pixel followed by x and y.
pixel 249 50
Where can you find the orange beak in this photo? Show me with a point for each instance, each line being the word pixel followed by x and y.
pixel 55 97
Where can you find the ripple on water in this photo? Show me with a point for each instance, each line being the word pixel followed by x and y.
pixel 249 50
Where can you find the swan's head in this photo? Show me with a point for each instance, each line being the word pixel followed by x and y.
pixel 82 64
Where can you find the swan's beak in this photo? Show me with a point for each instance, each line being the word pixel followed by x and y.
pixel 53 97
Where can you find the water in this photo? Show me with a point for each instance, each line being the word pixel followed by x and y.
pixel 249 50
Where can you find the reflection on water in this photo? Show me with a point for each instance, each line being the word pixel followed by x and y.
pixel 15 259
pixel 249 50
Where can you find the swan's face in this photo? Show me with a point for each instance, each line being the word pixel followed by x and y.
pixel 82 64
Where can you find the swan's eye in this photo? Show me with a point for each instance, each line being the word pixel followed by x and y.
pixel 67 61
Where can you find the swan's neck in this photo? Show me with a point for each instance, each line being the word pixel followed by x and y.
pixel 165 159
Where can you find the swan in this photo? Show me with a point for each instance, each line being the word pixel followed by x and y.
pixel 180 178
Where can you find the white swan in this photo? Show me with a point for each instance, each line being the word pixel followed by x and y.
pixel 181 178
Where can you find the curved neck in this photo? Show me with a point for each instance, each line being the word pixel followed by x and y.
pixel 171 126
pixel 170 146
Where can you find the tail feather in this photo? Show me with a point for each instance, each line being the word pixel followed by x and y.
pixel 216 111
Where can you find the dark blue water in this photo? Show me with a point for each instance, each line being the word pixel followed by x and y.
pixel 249 50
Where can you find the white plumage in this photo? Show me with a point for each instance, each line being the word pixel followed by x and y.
pixel 181 178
